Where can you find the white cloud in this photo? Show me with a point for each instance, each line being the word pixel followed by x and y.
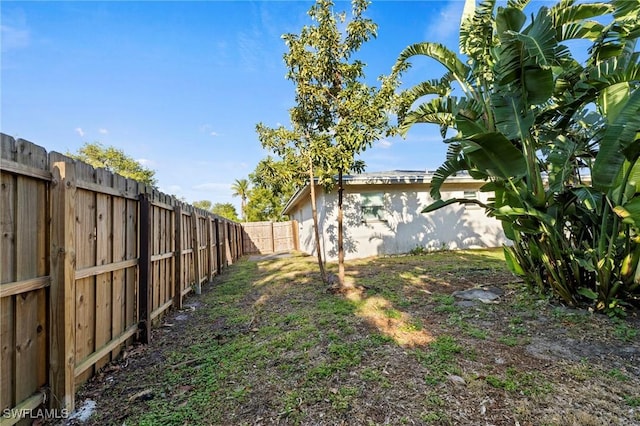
pixel 446 24
pixel 146 162
pixel 384 143
pixel 208 128
pixel 79 131
pixel 103 131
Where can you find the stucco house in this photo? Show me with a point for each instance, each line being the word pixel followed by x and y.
pixel 382 216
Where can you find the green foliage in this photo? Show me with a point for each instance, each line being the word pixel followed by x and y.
pixel 115 160
pixel 557 141
pixel 226 210
pixel 240 189
pixel 273 183
pixel 203 204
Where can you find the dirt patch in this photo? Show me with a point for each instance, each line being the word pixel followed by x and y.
pixel 267 344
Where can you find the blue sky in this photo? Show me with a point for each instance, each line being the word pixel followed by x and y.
pixel 180 86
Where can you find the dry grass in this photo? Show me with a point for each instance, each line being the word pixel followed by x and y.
pixel 267 344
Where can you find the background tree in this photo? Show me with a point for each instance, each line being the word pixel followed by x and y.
pixel 528 110
pixel 240 189
pixel 114 160
pixel 203 204
pixel 226 210
pixel 273 184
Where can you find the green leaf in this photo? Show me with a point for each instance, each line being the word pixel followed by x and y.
pixel 588 293
pixel 630 212
pixel 440 53
pixel 509 19
pixel 438 204
pixel 495 155
pixel 538 84
pixel 512 262
pixel 618 136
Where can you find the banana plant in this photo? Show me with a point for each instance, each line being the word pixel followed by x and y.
pixel 556 140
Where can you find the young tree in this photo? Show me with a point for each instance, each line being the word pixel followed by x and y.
pixel 114 160
pixel 529 111
pixel 337 115
pixel 299 149
pixel 240 189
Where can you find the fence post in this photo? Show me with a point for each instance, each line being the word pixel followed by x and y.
pixel 216 223
pixel 177 298
pixel 61 293
pixel 196 251
pixel 227 242
pixel 144 286
pixel 209 248
pixel 295 235
pixel 273 239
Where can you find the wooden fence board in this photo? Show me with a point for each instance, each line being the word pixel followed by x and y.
pixel 85 257
pixel 7 339
pixel 7 275
pixel 31 258
pixel 104 252
pixel 118 304
pixel 62 292
pixel 131 252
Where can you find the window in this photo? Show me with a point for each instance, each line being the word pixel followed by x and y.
pixel 470 195
pixel 372 207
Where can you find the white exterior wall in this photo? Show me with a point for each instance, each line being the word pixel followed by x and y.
pixel 404 227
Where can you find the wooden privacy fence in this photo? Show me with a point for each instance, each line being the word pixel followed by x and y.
pixel 270 237
pixel 89 260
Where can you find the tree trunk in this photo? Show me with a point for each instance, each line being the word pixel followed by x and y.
pixel 340 232
pixel 314 212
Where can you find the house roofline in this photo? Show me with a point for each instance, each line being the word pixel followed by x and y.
pixel 380 178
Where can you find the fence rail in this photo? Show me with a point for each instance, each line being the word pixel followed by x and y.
pixel 89 260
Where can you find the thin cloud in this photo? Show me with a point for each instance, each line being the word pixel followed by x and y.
pixel 172 189
pixel 103 131
pixel 146 162
pixel 14 38
pixel 384 143
pixel 446 24
pixel 79 131
pixel 212 186
pixel 208 128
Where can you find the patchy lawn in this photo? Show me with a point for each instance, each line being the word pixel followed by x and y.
pixel 266 343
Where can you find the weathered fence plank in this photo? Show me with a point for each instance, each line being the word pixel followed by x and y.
pixel 145 286
pixel 62 293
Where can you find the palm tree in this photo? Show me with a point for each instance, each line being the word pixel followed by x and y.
pixel 528 110
pixel 241 189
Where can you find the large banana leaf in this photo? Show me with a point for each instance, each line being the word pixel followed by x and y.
pixel 495 155
pixel 512 118
pixel 452 165
pixel 618 136
pixel 440 53
pixel 539 40
pixel 438 204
